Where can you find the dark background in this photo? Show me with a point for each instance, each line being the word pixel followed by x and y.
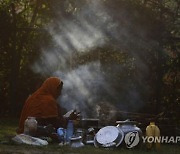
pixel 137 53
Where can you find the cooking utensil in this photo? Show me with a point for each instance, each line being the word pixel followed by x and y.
pixel 76 142
pixel 109 136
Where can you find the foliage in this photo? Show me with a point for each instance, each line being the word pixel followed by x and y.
pixel 153 34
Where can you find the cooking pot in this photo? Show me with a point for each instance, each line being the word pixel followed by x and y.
pixel 128 126
pixel 76 142
pixel 88 122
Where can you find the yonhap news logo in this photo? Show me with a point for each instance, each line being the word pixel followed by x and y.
pixel 132 139
pixel 161 139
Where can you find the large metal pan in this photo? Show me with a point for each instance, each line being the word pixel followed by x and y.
pixel 109 136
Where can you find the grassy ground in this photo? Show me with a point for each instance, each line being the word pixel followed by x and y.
pixel 7 131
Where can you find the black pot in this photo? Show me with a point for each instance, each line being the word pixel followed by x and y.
pixel 87 123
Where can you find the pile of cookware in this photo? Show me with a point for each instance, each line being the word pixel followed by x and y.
pixel 108 136
pixel 126 132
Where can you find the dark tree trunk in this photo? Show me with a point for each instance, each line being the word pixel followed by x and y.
pixel 159 82
pixel 14 73
pixel 16 51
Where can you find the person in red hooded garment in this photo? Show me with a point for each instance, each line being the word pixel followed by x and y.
pixel 43 106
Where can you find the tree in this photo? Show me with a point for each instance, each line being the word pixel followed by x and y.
pixel 141 51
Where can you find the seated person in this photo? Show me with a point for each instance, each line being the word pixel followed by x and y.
pixel 43 106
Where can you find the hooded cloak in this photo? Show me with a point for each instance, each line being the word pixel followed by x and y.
pixel 42 103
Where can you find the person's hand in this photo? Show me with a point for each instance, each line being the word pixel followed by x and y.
pixel 74 115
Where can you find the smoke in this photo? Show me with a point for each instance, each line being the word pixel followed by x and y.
pixel 87 84
pixel 80 34
pixel 81 88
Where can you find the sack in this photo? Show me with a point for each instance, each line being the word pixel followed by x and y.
pixel 26 139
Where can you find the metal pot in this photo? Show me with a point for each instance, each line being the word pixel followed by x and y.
pixel 128 126
pixel 130 131
pixel 88 122
pixel 76 142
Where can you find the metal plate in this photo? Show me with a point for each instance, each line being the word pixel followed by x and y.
pixel 107 135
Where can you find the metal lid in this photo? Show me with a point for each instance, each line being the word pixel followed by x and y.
pixel 127 122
